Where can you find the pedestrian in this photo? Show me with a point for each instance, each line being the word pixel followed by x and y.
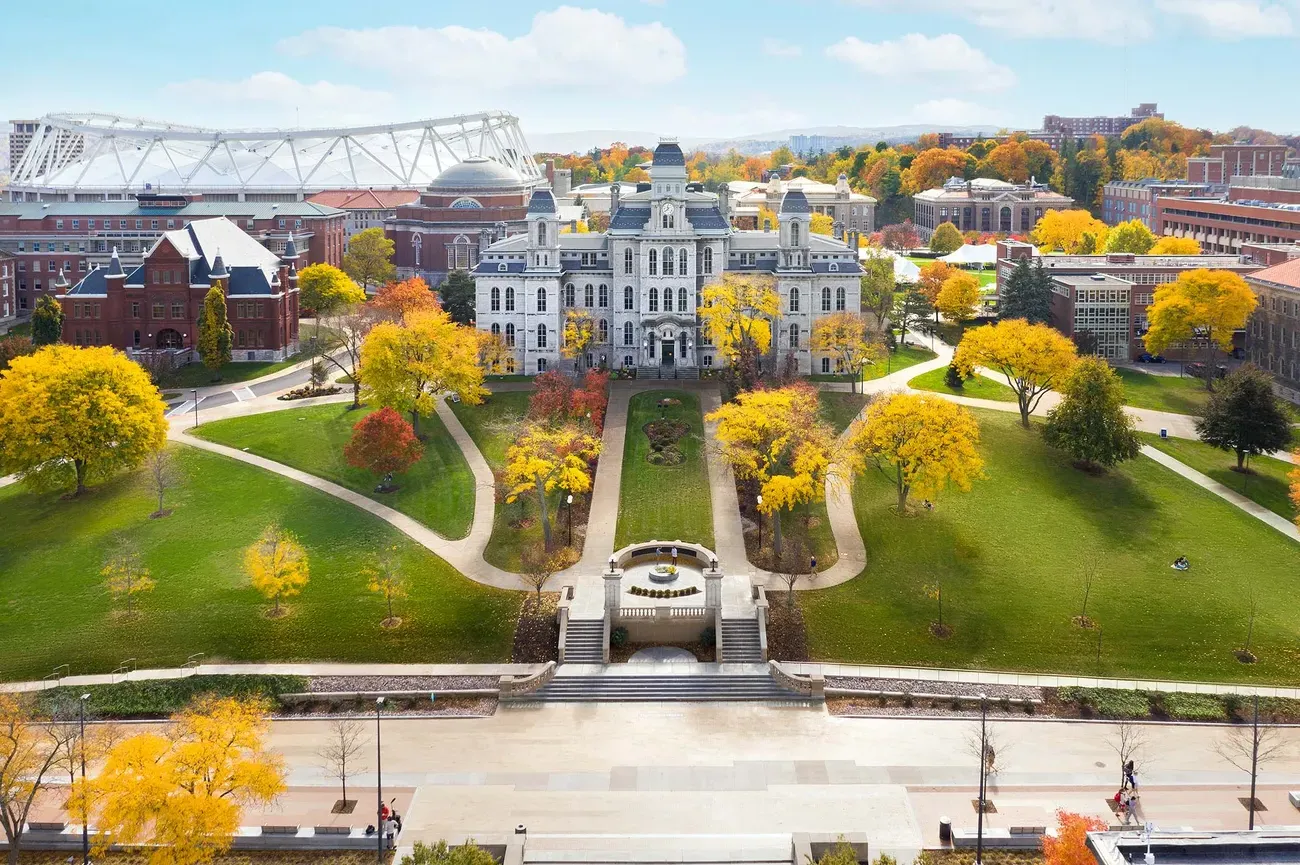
pixel 812 564
pixel 384 812
pixel 674 555
pixel 1125 807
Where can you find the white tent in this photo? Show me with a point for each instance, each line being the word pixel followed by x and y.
pixel 984 255
pixel 904 270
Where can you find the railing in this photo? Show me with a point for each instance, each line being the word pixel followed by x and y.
pixel 635 613
pixel 57 674
pixel 514 687
pixel 688 613
pixel 760 603
pixel 193 661
pixel 123 668
pixel 562 616
pixel 813 686
pixel 670 613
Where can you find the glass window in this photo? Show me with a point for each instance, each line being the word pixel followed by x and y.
pixel 794 336
pixel 541 300
pixel 510 335
pixel 627 333
pixel 568 298
pixel 510 299
pixel 681 300
pixel 627 260
pixel 627 297
pixel 541 336
pixel 604 330
pixel 604 296
pixel 654 262
pixel 794 300
pixel 588 296
pixel 708 259
pixel 681 262
pixel 496 299
pixel 668 262
pixel 839 299
pixel 654 298
pixel 826 300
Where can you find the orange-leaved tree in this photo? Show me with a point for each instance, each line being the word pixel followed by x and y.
pixel 932 277
pixel 1034 358
pixel 383 443
pixel 400 299
pixel 1070 844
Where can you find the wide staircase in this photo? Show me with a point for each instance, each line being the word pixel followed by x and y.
pixel 680 373
pixel 740 643
pixel 729 686
pixel 584 641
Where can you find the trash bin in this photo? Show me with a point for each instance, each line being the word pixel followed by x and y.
pixel 945 830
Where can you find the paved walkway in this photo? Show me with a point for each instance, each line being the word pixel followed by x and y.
pixel 1251 507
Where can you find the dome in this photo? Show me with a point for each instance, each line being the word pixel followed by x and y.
pixel 477 172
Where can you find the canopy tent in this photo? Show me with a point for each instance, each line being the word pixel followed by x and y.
pixel 984 255
pixel 904 270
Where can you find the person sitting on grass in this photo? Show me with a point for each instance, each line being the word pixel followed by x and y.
pixel 1181 564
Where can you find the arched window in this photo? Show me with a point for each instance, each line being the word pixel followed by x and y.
pixel 681 262
pixel 603 329
pixel 794 233
pixel 668 262
pixel 1024 219
pixel 541 364
pixel 667 221
pixel 510 335
pixel 681 300
pixel 628 298
pixel 708 259
pixel 794 336
pixel 681 344
pixel 654 298
pixel 496 329
pixel 1004 219
pixel 541 300
pixel 496 299
pixel 417 243
pixel 627 260
pixel 588 296
pixel 826 300
pixel 604 296
pixel 510 299
pixel 541 336
pixel 541 233
pixel 794 300
pixel 668 300
pixel 839 299
pixel 460 252
pixel 627 333
pixel 654 262
pixel 568 298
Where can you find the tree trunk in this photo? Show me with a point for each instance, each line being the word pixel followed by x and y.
pixel 415 422
pixel 356 391
pixel 546 517
pixel 776 536
pixel 81 476
pixel 390 611
pixel 1241 458
pixel 160 499
pixel 1023 400
pixel 902 494
pixel 14 850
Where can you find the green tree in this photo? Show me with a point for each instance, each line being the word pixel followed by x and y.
pixel 47 321
pixel 457 295
pixel 1090 422
pixel 1244 415
pixel 369 259
pixel 915 310
pixel 878 287
pixel 440 854
pixel 946 238
pixel 326 289
pixel 1027 294
pixel 1132 236
pixel 215 334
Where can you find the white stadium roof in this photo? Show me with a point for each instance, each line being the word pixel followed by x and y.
pixel 103 153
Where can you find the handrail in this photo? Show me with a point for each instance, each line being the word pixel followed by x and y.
pixel 511 686
pixel 192 662
pixel 56 675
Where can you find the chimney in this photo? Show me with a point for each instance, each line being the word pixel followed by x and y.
pixel 614 189
pixel 724 201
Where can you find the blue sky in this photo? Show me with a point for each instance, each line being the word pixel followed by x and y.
pixel 694 68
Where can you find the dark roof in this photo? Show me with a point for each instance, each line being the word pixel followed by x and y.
pixel 669 153
pixel 219 268
pixel 794 201
pixel 705 217
pixel 114 265
pixel 248 280
pixel 844 267
pixel 768 264
pixel 629 218
pixel 542 202
pixel 495 267
pixel 91 283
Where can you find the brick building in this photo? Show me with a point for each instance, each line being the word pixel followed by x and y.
pixel 1227 226
pixel 366 208
pixel 1098 124
pixel 8 287
pixel 77 236
pixel 985 205
pixel 1122 200
pixel 1227 161
pixel 1273 332
pixel 155 305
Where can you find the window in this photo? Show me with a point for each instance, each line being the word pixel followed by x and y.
pixel 708 259
pixel 58 223
pixel 541 336
pixel 417 244
pixel 460 252
pixel 281 223
pixel 826 365
pixel 541 233
pixel 541 300
pixel 826 300
pixel 568 299
pixel 510 335
pixel 681 262
pixel 654 297
pixel 603 329
pixel 667 221
pixel 668 300
pixel 794 336
pixel 75 223
pixel 654 262
pixel 90 223
pixel 627 333
pixel 496 299
pixel 668 262
pixel 139 225
pixel 627 360
pixel 178 310
pixel 157 311
pixel 135 311
pixel 541 365
pixel 171 223
pixel 627 297
pixel 833 267
pixel 510 299
pixel 681 300
pixel 121 225
pixel 153 225
pixel 708 360
pixel 794 300
pixel 794 233
pixel 839 299
pixel 627 260
pixel 604 296
pixel 495 329
pixel 588 296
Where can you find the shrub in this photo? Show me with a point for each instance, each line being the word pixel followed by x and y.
pixel 1193 707
pixel 1108 702
pixel 1232 704
pixel 162 697
pixel 708 638
pixel 953 377
pixel 618 636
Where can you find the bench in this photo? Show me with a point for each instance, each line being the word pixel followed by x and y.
pixel 1029 830
pixel 1294 796
pixel 279 830
pixel 995 839
pixel 333 830
pixel 35 826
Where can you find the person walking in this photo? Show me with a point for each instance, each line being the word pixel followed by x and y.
pixel 812 564
pixel 674 554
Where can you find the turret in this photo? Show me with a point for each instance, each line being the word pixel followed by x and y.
pixel 115 267
pixel 795 218
pixel 61 284
pixel 543 231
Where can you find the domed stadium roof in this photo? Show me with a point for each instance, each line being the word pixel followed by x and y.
pixel 477 172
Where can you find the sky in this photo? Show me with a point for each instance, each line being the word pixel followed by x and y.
pixel 691 68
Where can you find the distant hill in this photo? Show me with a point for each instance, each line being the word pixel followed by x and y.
pixel 581 141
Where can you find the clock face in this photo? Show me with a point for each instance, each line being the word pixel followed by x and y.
pixel 667 209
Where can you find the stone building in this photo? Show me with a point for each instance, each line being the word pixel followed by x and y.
pixel 851 211
pixel 985 205
pixel 1273 332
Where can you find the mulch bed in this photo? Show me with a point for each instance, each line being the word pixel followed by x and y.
pixel 787 637
pixel 537 635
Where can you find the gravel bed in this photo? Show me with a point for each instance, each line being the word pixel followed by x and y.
pixel 866 708
pixel 955 689
pixel 446 706
pixel 319 684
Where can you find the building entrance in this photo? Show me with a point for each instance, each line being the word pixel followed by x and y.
pixel 666 358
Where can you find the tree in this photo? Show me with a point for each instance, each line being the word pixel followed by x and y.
pixel 919 442
pixel 14 346
pixel 1089 567
pixel 1248 748
pixel 1007 161
pixel 348 327
pixel 777 438
pixel 339 755
pixel 125 577
pixel 539 565
pixel 914 311
pixel 182 788
pixel 546 458
pixel 1090 422
pixel 494 354
pixel 821 223
pixel 1069 846
pixel 1202 307
pixel 900 237
pixel 1033 357
pixel 932 277
pixel 325 289
pixel 792 564
pixel 1245 416
pixel 162 475
pixel 846 337
pixel 579 334
pixel 71 416
pixel 457 294
pixel 384 577
pixel 1027 294
pixel 878 286
pixel 369 259
pixel 29 751
pixel 1132 236
pixel 933 167
pixel 383 443
pixel 408 365
pixel 47 321
pixel 468 853
pixel 958 297
pixel 216 337
pixel 738 309
pixel 276 565
pixel 1175 246
pixel 1128 740
pixel 402 299
pixel 1064 230
pixel 767 219
pixel 946 238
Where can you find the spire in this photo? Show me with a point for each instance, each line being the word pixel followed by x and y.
pixel 290 249
pixel 61 281
pixel 115 267
pixel 218 268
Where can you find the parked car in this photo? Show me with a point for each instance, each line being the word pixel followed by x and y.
pixel 1147 357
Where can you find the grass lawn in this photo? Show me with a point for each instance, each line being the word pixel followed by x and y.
pixel 839 409
pixel 53 608
pixel 979 387
pixel 907 355
pixel 1267 484
pixel 438 490
pixel 660 501
pixel 1010 555
pixel 1180 394
pixel 197 375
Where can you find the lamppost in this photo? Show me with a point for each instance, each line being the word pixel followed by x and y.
pixel 984 762
pixel 194 393
pixel 379 786
pixel 569 501
pixel 85 815
pixel 760 524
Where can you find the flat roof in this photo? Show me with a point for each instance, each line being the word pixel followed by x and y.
pixel 1092 280
pixel 1247 847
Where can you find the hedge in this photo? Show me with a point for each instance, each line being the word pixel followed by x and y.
pixel 154 698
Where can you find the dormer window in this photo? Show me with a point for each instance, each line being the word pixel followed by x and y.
pixel 835 267
pixel 502 268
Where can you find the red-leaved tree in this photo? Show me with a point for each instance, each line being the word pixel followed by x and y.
pixel 555 399
pixel 383 442
pixel 1070 846
pixel 900 236
pixel 593 399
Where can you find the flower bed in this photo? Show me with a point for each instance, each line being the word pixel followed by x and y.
pixel 663 593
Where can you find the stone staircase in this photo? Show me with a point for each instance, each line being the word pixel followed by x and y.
pixel 680 373
pixel 584 641
pixel 740 642
pixel 742 685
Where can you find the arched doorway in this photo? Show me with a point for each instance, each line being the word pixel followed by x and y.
pixel 1004 220
pixel 168 338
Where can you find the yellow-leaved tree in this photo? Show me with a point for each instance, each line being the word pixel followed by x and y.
pixel 1131 236
pixel 918 441
pixel 30 750
pixel 958 296
pixel 848 338
pixel 767 220
pixel 407 365
pixel 494 354
pixel 1035 358
pixel 821 223
pixel 181 789
pixel 738 312
pixel 579 334
pixel 1070 231
pixel 544 459
pixel 1175 246
pixel 777 438
pixel 1202 307
pixel 277 566
pixel 72 416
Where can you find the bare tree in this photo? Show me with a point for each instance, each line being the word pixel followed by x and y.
pixel 1248 748
pixel 1246 655
pixel 792 565
pixel 341 752
pixel 1129 741
pixel 349 327
pixel 1088 576
pixel 539 566
pixel 994 747
pixel 162 475
pixel 29 750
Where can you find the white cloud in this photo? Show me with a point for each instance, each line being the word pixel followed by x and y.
pixel 1102 20
pixel 778 48
pixel 566 47
pixel 277 99
pixel 951 112
pixel 947 58
pixel 1232 19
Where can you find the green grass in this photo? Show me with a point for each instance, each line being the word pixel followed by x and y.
pixel 906 356
pixel 1179 394
pixel 197 375
pixel 1268 485
pixel 979 387
pixel 53 608
pixel 664 502
pixel 1010 556
pixel 24 329
pixel 438 490
pixel 839 409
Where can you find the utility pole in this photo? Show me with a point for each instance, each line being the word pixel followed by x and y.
pixel 984 762
pixel 379 785
pixel 85 815
pixel 1254 758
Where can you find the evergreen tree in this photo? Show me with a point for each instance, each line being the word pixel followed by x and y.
pixel 1244 415
pixel 457 295
pixel 1027 294
pixel 215 334
pixel 915 310
pixel 1090 422
pixel 47 321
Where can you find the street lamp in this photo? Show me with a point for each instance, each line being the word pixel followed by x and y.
pixel 569 501
pixel 85 815
pixel 194 393
pixel 760 524
pixel 379 786
pixel 984 762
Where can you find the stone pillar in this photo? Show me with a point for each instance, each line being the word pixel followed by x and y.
pixel 713 589
pixel 613 579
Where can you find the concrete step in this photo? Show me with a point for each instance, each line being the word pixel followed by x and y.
pixel 584 641
pixel 615 688
pixel 740 641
